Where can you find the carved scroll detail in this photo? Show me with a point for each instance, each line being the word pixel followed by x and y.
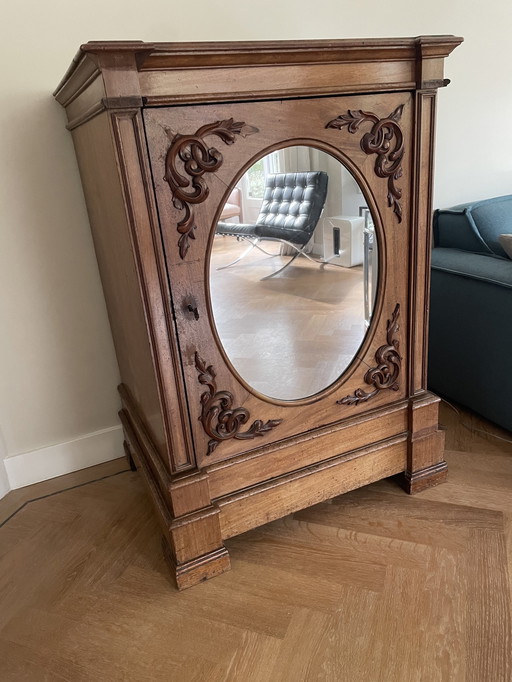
pixel 384 139
pixel 389 362
pixel 187 185
pixel 219 419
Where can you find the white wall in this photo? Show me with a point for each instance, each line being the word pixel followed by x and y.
pixel 58 369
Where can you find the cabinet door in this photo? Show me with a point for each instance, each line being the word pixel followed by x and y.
pixel 241 393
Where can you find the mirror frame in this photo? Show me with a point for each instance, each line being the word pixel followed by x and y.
pixel 381 277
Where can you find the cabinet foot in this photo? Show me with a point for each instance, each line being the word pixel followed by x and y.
pixel 426 466
pixel 199 569
pixel 415 482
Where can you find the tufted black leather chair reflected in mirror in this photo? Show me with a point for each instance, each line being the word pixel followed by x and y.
pixel 291 207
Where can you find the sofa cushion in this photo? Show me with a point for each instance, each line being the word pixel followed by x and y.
pixel 490 269
pixel 475 226
pixel 506 243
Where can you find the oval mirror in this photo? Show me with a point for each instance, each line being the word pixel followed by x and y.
pixel 293 273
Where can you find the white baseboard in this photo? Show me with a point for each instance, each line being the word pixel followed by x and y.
pixel 4 480
pixel 56 460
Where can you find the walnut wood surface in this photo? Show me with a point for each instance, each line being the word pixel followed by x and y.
pixel 156 171
pixel 277 121
pixel 170 72
pixel 110 227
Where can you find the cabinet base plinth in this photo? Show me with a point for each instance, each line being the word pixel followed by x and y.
pixel 415 482
pixel 129 457
pixel 197 570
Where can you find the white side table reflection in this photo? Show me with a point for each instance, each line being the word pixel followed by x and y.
pixel 343 240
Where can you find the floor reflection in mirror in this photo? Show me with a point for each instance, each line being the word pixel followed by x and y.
pixel 292 335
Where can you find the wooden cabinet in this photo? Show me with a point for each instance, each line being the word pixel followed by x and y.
pixel 163 133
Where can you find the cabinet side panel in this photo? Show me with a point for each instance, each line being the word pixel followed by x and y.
pixel 111 233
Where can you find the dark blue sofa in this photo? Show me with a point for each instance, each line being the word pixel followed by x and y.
pixel 470 355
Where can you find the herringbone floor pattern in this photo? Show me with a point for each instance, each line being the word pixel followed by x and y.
pixel 374 586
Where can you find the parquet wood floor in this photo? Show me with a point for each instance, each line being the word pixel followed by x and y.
pixel 374 586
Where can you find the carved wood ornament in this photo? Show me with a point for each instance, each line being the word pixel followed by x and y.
pixel 196 158
pixel 384 139
pixel 219 419
pixel 389 363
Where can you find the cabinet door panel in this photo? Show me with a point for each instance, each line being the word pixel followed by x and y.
pixel 197 155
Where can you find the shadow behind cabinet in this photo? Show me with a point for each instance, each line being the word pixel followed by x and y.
pixel 162 133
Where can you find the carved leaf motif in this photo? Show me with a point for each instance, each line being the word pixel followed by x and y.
pixel 385 374
pixel 219 419
pixel 188 159
pixel 385 139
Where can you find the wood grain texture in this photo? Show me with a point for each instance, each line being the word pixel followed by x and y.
pixel 275 498
pixel 373 585
pixel 110 226
pixel 166 73
pixel 421 237
pixel 153 288
pixel 246 470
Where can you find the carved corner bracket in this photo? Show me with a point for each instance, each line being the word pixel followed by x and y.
pixel 188 159
pixel 389 363
pixel 385 139
pixel 219 419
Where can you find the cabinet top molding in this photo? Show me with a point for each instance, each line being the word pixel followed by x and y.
pixel 124 73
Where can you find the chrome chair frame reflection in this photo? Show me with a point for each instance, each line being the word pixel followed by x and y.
pixel 254 244
pixel 369 267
